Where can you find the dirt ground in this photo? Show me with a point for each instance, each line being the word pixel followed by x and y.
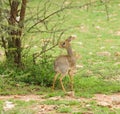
pixel 111 101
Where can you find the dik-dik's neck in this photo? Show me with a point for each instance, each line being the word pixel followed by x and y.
pixel 72 59
pixel 70 52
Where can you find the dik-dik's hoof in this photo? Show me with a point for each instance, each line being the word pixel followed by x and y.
pixel 71 94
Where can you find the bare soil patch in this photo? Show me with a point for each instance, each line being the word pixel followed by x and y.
pixel 22 97
pixel 111 101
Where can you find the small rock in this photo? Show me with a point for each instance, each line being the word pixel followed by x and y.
pixel 88 105
pixel 117 33
pixel 79 66
pixel 104 104
pixel 18 85
pixel 87 113
pixel 55 98
pixel 18 18
pixel 116 101
pixel 8 105
pixel 71 94
pixel 42 106
pixel 117 53
pixel 55 107
pixel 16 96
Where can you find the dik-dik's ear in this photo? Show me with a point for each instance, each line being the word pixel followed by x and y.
pixel 72 37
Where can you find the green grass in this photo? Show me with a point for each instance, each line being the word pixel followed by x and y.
pixel 64 110
pixel 99 74
pixel 90 85
pixel 61 102
pixel 20 111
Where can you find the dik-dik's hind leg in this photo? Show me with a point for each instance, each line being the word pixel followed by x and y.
pixel 71 82
pixel 55 77
pixel 62 76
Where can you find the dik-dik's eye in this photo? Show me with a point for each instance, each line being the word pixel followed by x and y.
pixel 63 43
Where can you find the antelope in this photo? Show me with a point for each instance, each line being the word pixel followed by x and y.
pixel 65 64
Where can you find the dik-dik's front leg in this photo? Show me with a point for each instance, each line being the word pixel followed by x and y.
pixel 71 74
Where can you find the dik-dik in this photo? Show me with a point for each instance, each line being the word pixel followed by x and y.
pixel 65 64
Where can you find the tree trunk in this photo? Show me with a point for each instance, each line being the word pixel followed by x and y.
pixel 12 32
pixel 15 31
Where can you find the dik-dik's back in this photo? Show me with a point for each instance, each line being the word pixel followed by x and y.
pixel 63 64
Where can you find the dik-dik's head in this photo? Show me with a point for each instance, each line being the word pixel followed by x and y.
pixel 66 43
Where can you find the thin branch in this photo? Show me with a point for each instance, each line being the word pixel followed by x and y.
pixel 55 12
pixel 10 3
pixel 22 13
pixel 43 51
pixel 107 13
pixel 4 45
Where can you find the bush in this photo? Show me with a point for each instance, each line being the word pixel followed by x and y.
pixel 38 74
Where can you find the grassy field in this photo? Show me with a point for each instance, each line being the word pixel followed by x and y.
pixel 97 43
